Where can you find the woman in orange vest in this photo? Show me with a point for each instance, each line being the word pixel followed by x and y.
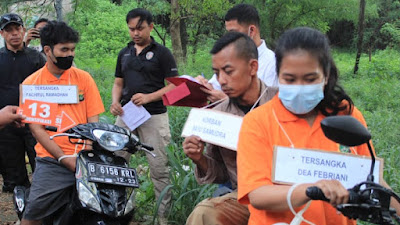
pixel 308 92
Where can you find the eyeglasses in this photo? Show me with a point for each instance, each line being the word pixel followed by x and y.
pixel 10 18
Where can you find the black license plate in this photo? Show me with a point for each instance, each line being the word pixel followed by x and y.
pixel 101 173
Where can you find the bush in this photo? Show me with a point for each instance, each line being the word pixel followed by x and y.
pixel 375 91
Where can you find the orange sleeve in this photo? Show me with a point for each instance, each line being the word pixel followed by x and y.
pixel 254 155
pixel 94 104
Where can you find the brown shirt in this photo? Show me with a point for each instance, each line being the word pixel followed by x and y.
pixel 221 161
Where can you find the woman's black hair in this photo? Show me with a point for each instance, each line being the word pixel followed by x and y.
pixel 317 44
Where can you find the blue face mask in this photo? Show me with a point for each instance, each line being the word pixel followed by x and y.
pixel 301 99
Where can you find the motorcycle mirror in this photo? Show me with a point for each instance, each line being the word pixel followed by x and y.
pixel 345 130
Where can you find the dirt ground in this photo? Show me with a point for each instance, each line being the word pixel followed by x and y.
pixel 7 213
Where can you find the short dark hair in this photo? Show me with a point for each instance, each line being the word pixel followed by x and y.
pixel 143 15
pixel 244 45
pixel 317 45
pixel 56 32
pixel 244 14
pixel 41 20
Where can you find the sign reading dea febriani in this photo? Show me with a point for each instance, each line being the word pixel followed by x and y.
pixel 292 165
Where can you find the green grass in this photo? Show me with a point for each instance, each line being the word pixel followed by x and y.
pixel 375 90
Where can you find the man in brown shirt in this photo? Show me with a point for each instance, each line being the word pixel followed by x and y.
pixel 234 60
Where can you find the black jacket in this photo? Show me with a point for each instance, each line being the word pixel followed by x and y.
pixel 14 68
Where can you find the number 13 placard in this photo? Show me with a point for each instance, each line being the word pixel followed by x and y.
pixel 38 112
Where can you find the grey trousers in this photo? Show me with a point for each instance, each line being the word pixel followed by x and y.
pixel 155 132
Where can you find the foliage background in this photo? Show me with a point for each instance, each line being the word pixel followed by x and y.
pixel 375 89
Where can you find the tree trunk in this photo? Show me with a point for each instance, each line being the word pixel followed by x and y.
pixel 360 34
pixel 58 8
pixel 184 38
pixel 175 29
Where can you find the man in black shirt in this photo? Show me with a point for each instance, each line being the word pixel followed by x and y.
pixel 16 63
pixel 141 69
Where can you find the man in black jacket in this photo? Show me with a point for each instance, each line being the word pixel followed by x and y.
pixel 16 63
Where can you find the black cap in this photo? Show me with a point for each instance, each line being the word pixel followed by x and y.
pixel 10 18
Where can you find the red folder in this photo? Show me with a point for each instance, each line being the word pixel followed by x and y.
pixel 186 93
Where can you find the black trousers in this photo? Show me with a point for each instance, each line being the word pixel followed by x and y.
pixel 13 144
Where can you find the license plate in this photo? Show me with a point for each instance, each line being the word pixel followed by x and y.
pixel 101 173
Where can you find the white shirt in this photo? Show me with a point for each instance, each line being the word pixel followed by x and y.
pixel 266 68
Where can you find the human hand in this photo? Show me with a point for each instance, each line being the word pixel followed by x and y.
pixel 32 34
pixel 201 80
pixel 8 115
pixel 193 148
pixel 116 109
pixel 141 99
pixel 69 162
pixel 334 191
pixel 214 95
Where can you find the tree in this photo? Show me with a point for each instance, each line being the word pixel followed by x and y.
pixel 32 9
pixel 360 34
pixel 203 20
pixel 176 32
pixel 278 16
pixel 383 30
pixel 58 8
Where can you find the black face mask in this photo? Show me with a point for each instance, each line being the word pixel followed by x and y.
pixel 63 63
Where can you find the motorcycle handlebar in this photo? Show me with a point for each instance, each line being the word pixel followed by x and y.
pixel 315 193
pixel 148 147
pixel 51 128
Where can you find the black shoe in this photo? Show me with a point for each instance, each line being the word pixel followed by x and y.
pixel 8 188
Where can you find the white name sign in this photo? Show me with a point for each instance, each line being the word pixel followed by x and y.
pixel 308 166
pixel 61 94
pixel 215 127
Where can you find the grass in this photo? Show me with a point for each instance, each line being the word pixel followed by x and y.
pixel 375 90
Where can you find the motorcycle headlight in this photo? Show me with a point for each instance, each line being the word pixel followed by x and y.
pixel 130 204
pixel 111 141
pixel 87 197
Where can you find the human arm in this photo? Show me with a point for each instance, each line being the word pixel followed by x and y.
pixel 116 108
pixel 142 99
pixel 210 167
pixel 32 34
pixel 41 135
pixel 193 148
pixel 8 115
pixel 273 197
pixel 213 94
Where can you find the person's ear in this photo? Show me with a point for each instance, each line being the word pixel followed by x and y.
pixel 253 67
pixel 46 49
pixel 151 26
pixel 326 78
pixel 251 31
